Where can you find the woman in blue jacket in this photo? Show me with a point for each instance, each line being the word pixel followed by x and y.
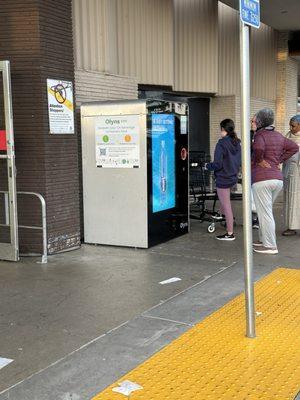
pixel 226 166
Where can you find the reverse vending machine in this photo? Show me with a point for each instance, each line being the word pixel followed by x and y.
pixel 135 172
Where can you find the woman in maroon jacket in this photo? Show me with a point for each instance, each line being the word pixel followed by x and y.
pixel 270 149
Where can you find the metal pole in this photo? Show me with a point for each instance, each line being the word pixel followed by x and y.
pixel 6 200
pixel 44 217
pixel 246 170
pixel 44 224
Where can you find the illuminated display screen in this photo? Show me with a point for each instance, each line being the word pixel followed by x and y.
pixel 163 161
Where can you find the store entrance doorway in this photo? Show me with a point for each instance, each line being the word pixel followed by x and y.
pixel 199 124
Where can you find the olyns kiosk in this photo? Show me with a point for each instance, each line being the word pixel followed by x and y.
pixel 135 172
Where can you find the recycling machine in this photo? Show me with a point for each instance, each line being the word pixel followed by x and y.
pixel 135 172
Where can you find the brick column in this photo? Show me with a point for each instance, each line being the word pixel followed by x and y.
pixel 36 36
pixel 221 107
pixel 287 78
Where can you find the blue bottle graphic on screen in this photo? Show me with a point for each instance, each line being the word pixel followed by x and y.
pixel 163 172
pixel 163 162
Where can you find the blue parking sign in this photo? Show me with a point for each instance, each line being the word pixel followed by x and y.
pixel 250 12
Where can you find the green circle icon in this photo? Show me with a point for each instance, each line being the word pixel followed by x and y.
pixel 105 138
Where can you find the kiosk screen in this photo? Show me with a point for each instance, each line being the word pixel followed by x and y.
pixel 163 161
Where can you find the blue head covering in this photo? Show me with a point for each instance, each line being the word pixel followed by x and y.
pixel 295 118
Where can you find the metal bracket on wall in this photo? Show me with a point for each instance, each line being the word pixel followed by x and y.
pixel 10 251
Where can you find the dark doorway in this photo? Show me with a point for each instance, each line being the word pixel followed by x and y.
pixel 199 136
pixel 199 124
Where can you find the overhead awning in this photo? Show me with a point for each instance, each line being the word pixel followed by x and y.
pixel 282 15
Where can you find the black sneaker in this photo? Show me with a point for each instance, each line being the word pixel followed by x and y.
pixel 226 236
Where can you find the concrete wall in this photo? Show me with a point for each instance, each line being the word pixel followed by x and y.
pixel 230 107
pixel 125 37
pixel 145 40
pixel 158 42
pixel 229 51
pixel 191 45
pixel 263 50
pixel 221 107
pixel 196 45
pixel 262 57
pixel 96 86
pixel 263 62
pixel 93 46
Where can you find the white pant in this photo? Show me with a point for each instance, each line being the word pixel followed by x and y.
pixel 265 193
pixel 253 203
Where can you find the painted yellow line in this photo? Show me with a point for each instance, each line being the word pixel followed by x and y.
pixel 214 360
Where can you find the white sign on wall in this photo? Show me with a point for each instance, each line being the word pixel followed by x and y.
pixel 60 106
pixel 117 141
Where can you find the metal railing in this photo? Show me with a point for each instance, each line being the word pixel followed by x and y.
pixel 44 219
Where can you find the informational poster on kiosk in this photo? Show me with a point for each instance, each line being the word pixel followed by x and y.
pixel 163 162
pixel 60 106
pixel 117 141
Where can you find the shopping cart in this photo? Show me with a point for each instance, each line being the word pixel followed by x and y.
pixel 202 191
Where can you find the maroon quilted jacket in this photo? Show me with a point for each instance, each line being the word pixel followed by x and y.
pixel 274 148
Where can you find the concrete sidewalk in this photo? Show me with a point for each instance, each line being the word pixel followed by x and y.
pixel 60 322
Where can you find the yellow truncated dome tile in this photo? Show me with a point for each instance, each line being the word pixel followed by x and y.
pixel 214 360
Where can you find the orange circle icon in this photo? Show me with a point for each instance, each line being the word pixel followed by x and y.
pixel 127 138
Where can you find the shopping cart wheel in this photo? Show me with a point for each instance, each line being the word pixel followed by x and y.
pixel 211 228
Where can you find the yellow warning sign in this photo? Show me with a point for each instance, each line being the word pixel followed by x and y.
pixel 60 106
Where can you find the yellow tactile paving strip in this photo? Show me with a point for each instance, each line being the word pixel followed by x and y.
pixel 214 360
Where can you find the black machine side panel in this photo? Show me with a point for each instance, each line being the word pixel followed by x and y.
pixel 199 125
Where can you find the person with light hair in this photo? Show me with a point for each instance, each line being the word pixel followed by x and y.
pixel 270 149
pixel 291 182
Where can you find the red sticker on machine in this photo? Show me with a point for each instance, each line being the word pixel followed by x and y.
pixel 183 154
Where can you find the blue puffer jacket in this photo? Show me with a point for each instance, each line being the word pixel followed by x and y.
pixel 227 162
